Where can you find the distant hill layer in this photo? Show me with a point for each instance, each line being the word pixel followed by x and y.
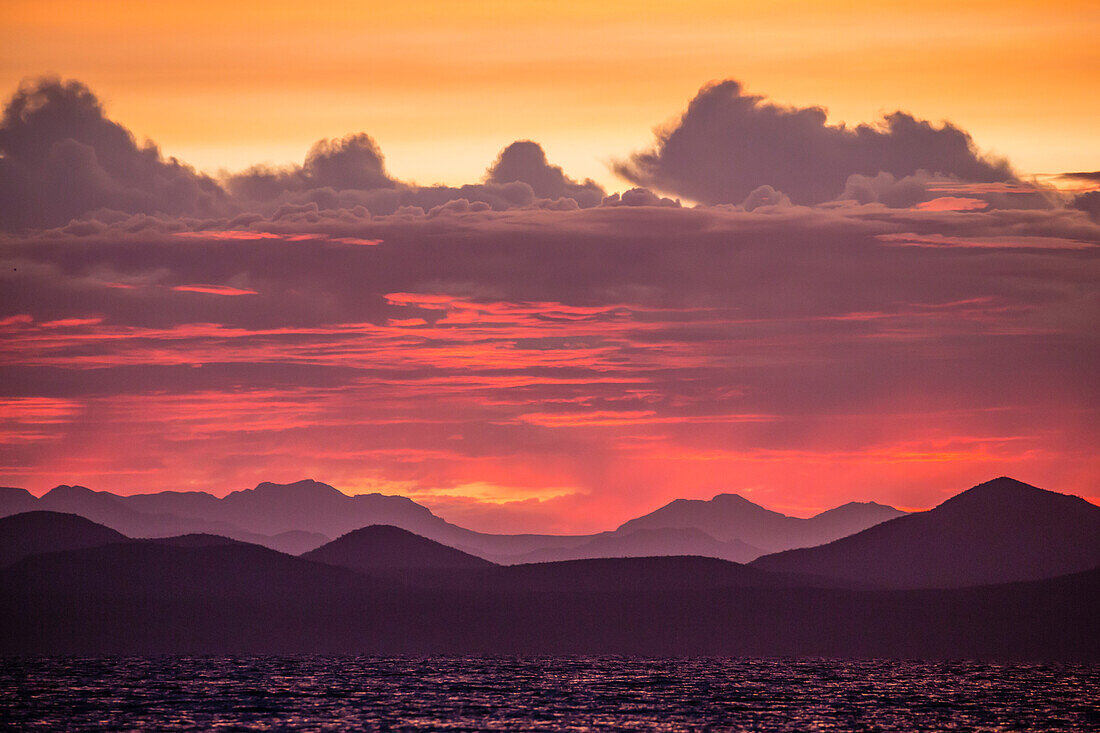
pixel 121 514
pixel 299 517
pixel 729 517
pixel 999 531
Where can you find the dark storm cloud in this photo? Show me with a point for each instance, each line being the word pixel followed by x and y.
pixel 728 144
pixel 60 157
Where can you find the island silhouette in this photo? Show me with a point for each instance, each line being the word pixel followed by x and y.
pixel 72 586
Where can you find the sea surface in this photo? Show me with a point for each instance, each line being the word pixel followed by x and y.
pixel 557 693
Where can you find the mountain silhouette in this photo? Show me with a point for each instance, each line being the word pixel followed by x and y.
pixel 316 507
pixel 304 515
pixel 384 549
pixel 999 531
pixel 36 532
pixel 16 501
pixel 135 516
pixel 292 542
pixel 729 517
pixel 646 543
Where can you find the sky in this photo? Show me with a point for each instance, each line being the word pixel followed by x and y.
pixel 443 88
pixel 545 267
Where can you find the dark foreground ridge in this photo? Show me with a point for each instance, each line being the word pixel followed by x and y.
pixel 144 598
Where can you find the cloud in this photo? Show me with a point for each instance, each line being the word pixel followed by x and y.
pixel 525 161
pixel 350 172
pixel 60 157
pixel 1088 176
pixel 1089 203
pixel 354 162
pixel 728 143
pixel 639 197
pixel 764 196
pixel 627 354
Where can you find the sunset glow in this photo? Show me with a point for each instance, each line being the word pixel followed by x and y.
pixel 543 266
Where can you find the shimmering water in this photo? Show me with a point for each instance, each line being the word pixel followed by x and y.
pixel 324 693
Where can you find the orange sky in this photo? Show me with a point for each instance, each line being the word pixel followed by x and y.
pixel 444 86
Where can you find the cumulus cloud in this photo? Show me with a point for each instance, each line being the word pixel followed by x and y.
pixel 525 161
pixel 639 197
pixel 354 162
pixel 764 196
pixel 350 172
pixel 60 157
pixel 728 143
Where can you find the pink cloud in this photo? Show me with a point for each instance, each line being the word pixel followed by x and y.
pixel 566 370
pixel 952 203
pixel 214 290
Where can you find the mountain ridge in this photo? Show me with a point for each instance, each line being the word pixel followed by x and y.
pixel 1001 530
pixel 303 515
pixel 385 549
pixel 729 516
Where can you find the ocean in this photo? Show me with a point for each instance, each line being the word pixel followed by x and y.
pixel 555 693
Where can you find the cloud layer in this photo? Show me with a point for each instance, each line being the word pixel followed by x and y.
pixel 525 353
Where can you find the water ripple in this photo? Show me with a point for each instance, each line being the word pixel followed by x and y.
pixel 558 693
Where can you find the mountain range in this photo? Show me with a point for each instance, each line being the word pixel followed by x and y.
pixel 304 515
pixel 71 586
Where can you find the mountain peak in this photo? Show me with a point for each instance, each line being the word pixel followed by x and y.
pixel 1003 490
pixel 383 547
pixel 304 488
pixel 999 531
pixel 66 490
pixel 727 498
